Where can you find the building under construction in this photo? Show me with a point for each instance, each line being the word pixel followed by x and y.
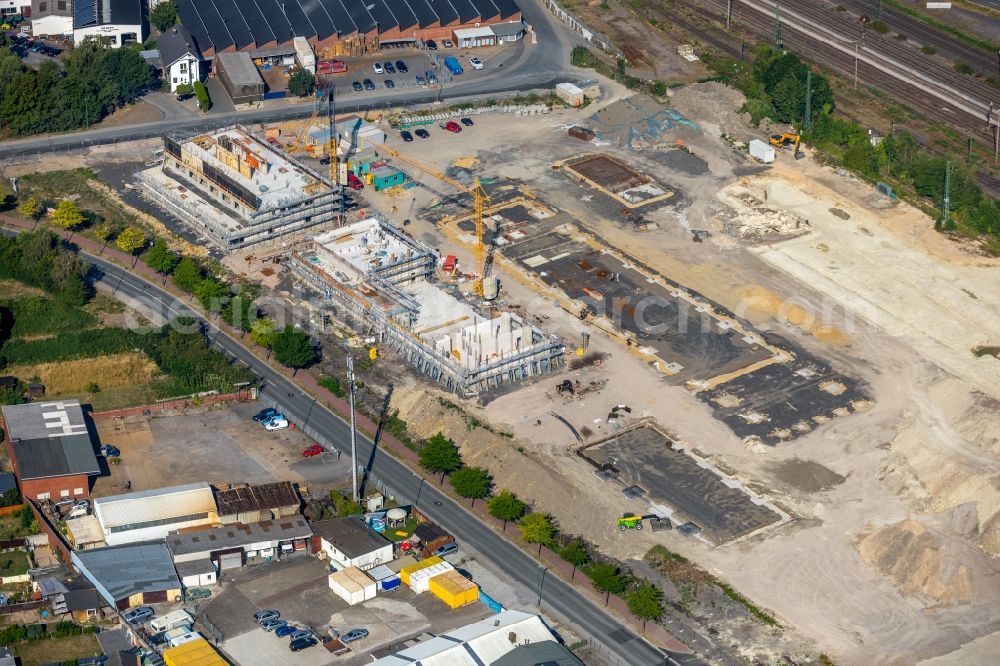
pixel 237 190
pixel 383 279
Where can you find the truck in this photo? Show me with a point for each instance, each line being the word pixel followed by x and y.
pixel 451 62
pixel 331 67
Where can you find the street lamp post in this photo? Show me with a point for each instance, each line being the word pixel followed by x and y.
pixel 311 405
pixel 542 570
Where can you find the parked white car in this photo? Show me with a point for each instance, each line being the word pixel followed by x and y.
pixel 276 424
pixel 379 69
pixel 476 62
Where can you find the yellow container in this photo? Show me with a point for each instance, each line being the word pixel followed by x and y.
pixel 454 589
pixel 193 653
pixel 404 573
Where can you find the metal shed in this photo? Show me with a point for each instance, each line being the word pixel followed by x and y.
pixel 239 76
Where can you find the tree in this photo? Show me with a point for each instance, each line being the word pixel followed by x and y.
pixel 471 483
pixel 301 83
pixel 161 259
pixel 538 528
pixel 187 275
pixel 241 311
pixel 576 553
pixel 67 216
pixel 163 16
pixel 506 506
pixel 212 294
pixel 293 348
pixel 606 578
pixel 645 602
pixel 102 232
pixel 30 208
pixel 263 332
pixel 130 240
pixel 439 455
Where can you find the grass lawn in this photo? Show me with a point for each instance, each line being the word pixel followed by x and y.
pixel 407 529
pixel 10 528
pixel 14 563
pixel 58 650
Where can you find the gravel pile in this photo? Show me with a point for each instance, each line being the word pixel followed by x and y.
pixel 716 104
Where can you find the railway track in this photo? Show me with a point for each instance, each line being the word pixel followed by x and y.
pixel 916 30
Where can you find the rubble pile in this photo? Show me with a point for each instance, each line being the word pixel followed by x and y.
pixel 758 223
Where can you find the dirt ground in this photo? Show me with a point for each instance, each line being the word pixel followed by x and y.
pixel 849 575
pixel 218 445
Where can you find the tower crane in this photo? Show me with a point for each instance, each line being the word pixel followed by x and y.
pixel 484 254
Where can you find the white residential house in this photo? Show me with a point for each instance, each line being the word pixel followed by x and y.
pixel 179 56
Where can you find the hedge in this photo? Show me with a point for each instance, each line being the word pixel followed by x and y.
pixel 204 101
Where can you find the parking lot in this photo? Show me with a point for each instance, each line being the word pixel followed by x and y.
pixel 222 443
pixel 298 589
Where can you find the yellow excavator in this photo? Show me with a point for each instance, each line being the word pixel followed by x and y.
pixel 787 139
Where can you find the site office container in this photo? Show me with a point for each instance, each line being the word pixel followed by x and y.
pixel 454 589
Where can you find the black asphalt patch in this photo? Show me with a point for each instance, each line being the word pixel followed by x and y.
pixel 644 456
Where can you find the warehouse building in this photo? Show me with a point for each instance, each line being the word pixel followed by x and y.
pixel 132 575
pixel 333 27
pixel 50 447
pixel 348 542
pixel 483 642
pixel 232 546
pixel 237 190
pixel 51 17
pixel 196 652
pixel 153 514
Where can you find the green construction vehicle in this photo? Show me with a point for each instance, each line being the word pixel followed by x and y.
pixel 630 521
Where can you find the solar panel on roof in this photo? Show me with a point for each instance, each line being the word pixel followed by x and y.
pixel 84 13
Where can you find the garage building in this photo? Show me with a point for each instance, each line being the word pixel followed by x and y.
pixel 51 449
pixel 253 504
pixel 131 575
pixel 239 76
pixel 153 514
pixel 348 542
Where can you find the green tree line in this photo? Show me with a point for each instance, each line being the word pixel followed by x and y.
pixel 775 86
pixel 95 81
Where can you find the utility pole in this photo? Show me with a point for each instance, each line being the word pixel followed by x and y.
pixel 729 12
pixel 994 122
pixel 354 430
pixel 878 12
pixel 807 121
pixel 969 156
pixel 856 43
pixel 946 204
pixel 777 24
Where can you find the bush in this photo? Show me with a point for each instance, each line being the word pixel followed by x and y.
pixel 204 101
pixel 881 27
pixel 183 89
pixel 332 384
pixel 928 50
pixel 963 68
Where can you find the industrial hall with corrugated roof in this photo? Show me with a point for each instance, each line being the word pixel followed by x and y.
pixel 334 27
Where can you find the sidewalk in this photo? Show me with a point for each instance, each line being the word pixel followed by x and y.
pixel 655 633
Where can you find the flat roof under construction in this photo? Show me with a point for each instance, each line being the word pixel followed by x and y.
pixel 278 181
pixel 352 251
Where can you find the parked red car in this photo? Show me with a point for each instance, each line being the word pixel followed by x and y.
pixel 354 182
pixel 452 126
pixel 313 450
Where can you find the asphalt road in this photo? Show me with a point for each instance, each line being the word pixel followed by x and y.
pixel 540 65
pixel 557 595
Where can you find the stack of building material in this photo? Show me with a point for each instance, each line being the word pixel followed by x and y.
pixel 454 589
pixel 418 576
pixel 352 585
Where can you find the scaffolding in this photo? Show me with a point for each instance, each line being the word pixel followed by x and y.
pixel 380 302
pixel 239 190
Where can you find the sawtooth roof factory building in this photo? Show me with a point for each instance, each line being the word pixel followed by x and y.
pixel 334 27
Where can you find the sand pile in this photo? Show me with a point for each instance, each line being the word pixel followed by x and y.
pixel 918 561
pixel 945 456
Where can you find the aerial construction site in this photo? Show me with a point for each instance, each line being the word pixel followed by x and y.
pixel 790 377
